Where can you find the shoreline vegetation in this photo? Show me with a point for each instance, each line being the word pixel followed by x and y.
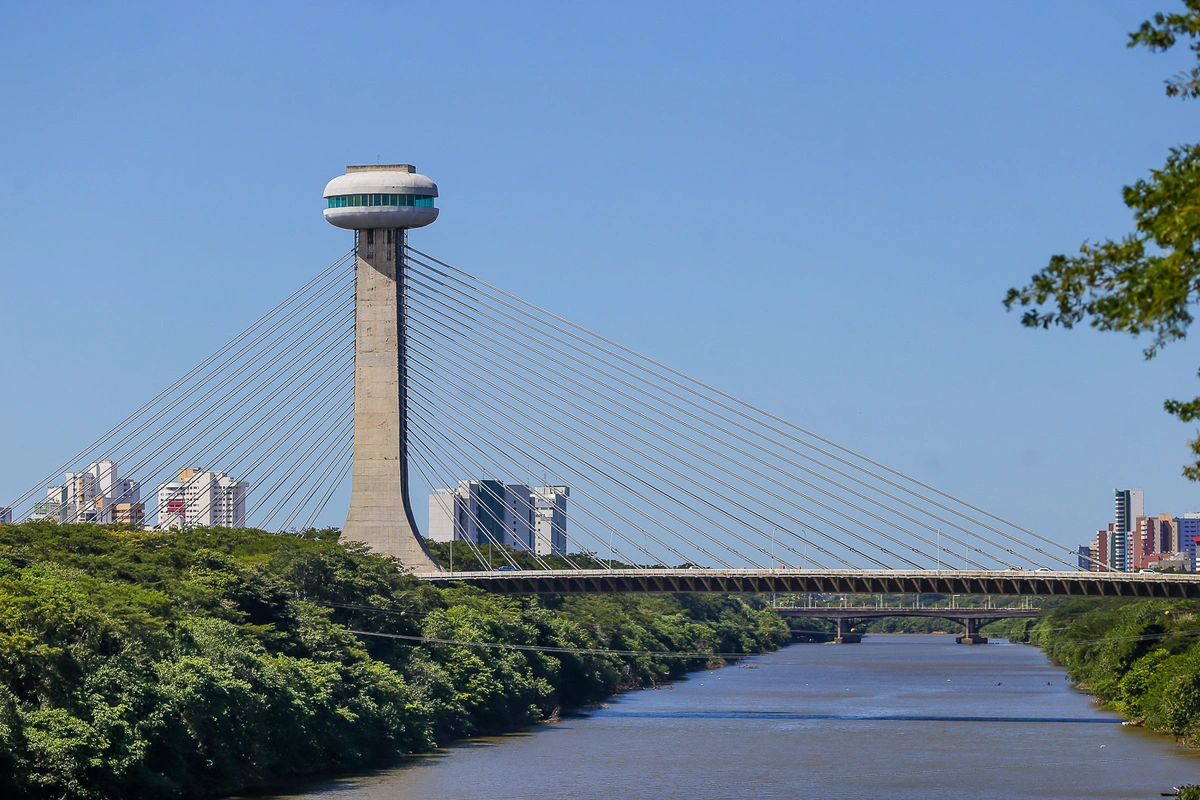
pixel 1139 658
pixel 201 663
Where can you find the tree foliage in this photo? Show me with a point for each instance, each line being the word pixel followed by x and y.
pixel 1146 281
pixel 1141 657
pixel 196 663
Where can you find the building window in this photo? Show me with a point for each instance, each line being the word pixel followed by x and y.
pixel 393 200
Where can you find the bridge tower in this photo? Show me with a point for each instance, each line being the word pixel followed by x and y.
pixel 380 204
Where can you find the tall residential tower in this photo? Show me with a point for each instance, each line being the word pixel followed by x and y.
pixel 1129 506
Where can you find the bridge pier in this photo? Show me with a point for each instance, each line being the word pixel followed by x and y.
pixel 844 635
pixel 972 635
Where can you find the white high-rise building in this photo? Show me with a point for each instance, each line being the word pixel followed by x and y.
pixel 202 499
pixel 493 512
pixel 550 534
pixel 1130 504
pixel 94 495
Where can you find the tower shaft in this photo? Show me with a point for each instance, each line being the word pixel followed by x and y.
pixel 380 513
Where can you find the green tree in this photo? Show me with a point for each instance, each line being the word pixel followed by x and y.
pixel 1147 281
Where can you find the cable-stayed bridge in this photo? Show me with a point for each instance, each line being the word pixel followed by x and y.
pixel 393 368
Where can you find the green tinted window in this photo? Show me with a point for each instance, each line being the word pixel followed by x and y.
pixel 352 200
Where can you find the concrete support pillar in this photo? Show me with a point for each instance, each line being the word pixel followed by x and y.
pixel 844 636
pixel 380 513
pixel 972 635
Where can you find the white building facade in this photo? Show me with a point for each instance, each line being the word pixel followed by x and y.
pixel 550 521
pixel 493 512
pixel 1129 505
pixel 97 495
pixel 202 499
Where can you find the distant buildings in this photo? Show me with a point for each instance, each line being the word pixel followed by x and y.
pixel 202 499
pixel 1189 534
pixel 1136 541
pixel 550 521
pixel 94 495
pixel 5 514
pixel 1129 506
pixel 533 519
pixel 197 498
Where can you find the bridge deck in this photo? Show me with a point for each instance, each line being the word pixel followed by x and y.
pixel 1010 582
pixel 876 612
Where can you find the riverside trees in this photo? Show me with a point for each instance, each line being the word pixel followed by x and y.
pixel 193 663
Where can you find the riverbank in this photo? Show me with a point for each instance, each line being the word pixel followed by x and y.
pixel 1140 658
pixel 897 717
pixel 205 662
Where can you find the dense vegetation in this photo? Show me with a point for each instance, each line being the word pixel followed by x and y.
pixel 182 664
pixel 1142 658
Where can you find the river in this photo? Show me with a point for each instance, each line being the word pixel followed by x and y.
pixel 894 718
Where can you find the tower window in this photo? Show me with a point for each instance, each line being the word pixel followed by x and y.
pixel 399 200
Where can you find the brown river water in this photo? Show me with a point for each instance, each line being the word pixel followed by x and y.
pixel 893 718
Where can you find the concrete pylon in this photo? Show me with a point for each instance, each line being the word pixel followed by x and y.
pixel 380 513
pixel 845 634
pixel 972 635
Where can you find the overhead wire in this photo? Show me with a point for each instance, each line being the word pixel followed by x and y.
pixel 297 417
pixel 182 381
pixel 500 361
pixel 473 315
pixel 485 486
pixel 649 485
pixel 479 469
pixel 122 450
pixel 422 428
pixel 518 448
pixel 642 378
pixel 498 295
pixel 229 398
pixel 429 457
pixel 182 416
pixel 607 462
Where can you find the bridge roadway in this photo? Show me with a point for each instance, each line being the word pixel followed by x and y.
pixel 970 618
pixel 732 581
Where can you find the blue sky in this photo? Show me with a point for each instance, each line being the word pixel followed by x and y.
pixel 816 209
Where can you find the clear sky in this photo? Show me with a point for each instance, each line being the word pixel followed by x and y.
pixel 815 208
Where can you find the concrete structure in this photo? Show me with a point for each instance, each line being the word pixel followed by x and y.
pixel 1168 534
pixel 95 495
pixel 1087 557
pixel 844 581
pixel 1128 506
pixel 550 536
pixel 1175 562
pixel 493 512
pixel 1143 541
pixel 1151 539
pixel 1189 535
pixel 380 203
pixel 970 618
pixel 201 498
pixel 1100 545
